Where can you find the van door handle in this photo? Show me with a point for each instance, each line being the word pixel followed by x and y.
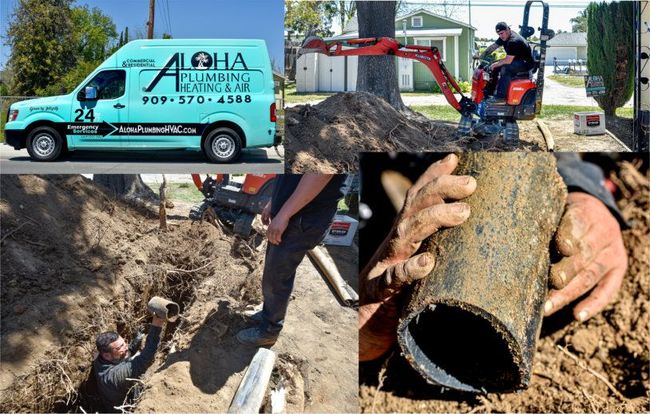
pixel 119 106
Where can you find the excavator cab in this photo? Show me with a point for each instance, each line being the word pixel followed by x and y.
pixel 232 201
pixel 524 94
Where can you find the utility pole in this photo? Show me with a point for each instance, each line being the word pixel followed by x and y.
pixel 152 5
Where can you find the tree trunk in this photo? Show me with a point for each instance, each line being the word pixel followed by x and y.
pixel 127 186
pixel 473 323
pixel 378 74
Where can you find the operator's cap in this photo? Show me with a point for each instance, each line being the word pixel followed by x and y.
pixel 502 26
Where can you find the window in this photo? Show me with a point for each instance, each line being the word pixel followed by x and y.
pixel 416 21
pixel 437 42
pixel 109 84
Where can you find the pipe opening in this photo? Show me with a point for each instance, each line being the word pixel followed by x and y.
pixel 459 349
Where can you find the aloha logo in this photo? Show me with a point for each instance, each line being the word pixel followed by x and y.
pixel 201 61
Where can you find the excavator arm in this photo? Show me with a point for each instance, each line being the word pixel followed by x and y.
pixel 379 46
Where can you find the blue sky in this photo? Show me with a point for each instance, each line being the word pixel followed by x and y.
pixel 185 19
pixel 486 13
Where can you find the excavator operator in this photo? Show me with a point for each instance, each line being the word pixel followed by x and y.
pixel 519 58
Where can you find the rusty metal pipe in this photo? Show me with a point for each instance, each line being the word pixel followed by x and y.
pixel 473 323
pixel 164 308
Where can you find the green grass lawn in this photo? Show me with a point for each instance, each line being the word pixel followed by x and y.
pixel 182 192
pixel 447 113
pixel 570 81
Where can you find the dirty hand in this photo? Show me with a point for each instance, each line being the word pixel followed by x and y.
pixel 392 267
pixel 589 238
pixel 276 228
pixel 266 214
pixel 157 321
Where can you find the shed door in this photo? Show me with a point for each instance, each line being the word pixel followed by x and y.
pixel 331 74
pixel 405 74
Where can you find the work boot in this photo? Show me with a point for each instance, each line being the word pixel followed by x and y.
pixel 256 317
pixel 495 100
pixel 256 337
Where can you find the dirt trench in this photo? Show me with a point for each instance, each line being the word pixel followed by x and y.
pixel 76 262
pixel 577 366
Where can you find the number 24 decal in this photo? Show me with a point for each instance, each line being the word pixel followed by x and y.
pixel 90 115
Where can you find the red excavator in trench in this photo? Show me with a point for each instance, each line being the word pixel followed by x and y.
pixel 479 116
pixel 235 203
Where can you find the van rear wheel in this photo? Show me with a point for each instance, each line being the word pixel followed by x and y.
pixel 44 144
pixel 222 145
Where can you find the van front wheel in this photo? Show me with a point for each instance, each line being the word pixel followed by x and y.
pixel 222 145
pixel 44 144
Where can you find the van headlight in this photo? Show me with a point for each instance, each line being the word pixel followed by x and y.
pixel 12 115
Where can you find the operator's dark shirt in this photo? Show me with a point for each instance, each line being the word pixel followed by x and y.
pixel 112 383
pixel 518 47
pixel 323 205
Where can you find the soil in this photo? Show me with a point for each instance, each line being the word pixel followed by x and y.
pixel 622 128
pixel 328 136
pixel 76 262
pixel 577 366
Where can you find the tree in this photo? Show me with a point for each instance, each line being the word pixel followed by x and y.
pixel 378 74
pixel 579 23
pixel 452 9
pixel 93 33
pixel 303 16
pixel 610 51
pixel 127 186
pixel 40 34
pixel 346 11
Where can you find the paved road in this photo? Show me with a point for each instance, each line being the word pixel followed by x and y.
pixel 259 160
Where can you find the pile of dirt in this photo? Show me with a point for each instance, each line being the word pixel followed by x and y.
pixel 598 366
pixel 327 137
pixel 76 262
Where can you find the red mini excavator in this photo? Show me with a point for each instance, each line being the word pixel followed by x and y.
pixel 233 202
pixel 479 116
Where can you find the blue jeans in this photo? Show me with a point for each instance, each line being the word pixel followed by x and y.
pixel 302 234
pixel 506 74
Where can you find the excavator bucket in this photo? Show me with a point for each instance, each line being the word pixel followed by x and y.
pixel 313 44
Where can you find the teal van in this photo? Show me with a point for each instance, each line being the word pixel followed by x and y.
pixel 215 96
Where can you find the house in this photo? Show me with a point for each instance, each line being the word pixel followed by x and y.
pixel 454 39
pixel 565 46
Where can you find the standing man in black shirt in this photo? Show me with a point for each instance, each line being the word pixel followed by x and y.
pixel 519 58
pixel 298 216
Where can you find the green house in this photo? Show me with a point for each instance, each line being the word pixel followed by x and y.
pixel 453 38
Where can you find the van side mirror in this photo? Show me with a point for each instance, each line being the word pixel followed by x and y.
pixel 91 93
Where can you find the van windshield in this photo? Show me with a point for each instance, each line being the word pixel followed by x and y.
pixel 109 84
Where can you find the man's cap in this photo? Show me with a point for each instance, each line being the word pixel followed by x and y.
pixel 502 26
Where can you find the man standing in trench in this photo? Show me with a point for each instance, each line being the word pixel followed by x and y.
pixel 300 212
pixel 118 364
